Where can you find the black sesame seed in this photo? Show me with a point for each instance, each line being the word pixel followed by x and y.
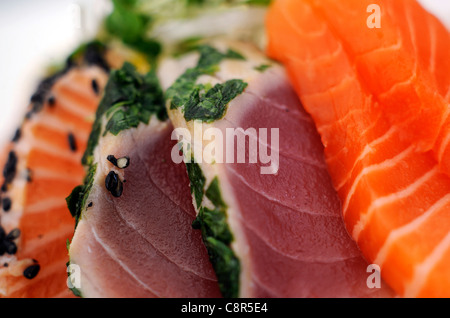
pixel 95 88
pixel 51 101
pixel 4 187
pixel 113 184
pixel 112 159
pixel 29 178
pixel 10 247
pixel 119 190
pixel 72 142
pixel 121 163
pixel 94 55
pixel 90 204
pixel 5 265
pixel 37 107
pixel 17 135
pixel 9 171
pixel 111 180
pixel 31 271
pixel 37 97
pixel 6 202
pixel 2 249
pixel 15 233
pixel 2 234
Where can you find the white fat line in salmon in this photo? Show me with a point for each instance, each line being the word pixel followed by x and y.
pixel 211 146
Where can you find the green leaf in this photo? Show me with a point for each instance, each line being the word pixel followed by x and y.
pixel 182 88
pixel 73 199
pixel 261 68
pixel 217 238
pixel 187 45
pixel 226 266
pixel 76 201
pixel 67 245
pixel 201 103
pixel 213 223
pixel 197 180
pixel 214 195
pixel 231 54
pixel 131 26
pixel 212 105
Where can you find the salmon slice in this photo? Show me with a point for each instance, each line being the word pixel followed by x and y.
pixel 41 167
pixel 379 99
pixel 412 58
pixel 273 227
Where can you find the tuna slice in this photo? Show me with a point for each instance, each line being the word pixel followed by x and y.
pixel 380 100
pixel 134 213
pixel 273 228
pixel 42 166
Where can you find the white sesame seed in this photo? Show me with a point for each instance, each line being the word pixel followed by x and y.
pixel 123 162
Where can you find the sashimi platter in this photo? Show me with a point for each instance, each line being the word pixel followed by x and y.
pixel 236 149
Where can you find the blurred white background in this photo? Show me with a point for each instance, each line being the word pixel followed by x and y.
pixel 35 34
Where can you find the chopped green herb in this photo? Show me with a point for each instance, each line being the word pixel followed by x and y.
pixel 76 291
pixel 131 26
pixel 231 54
pixel 226 266
pixel 213 193
pixel 186 46
pixel 73 199
pixel 212 105
pixel 201 103
pixel 197 180
pixel 258 2
pixel 217 238
pixel 214 224
pixel 195 2
pixel 77 199
pixel 210 56
pixel 181 89
pixel 262 67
